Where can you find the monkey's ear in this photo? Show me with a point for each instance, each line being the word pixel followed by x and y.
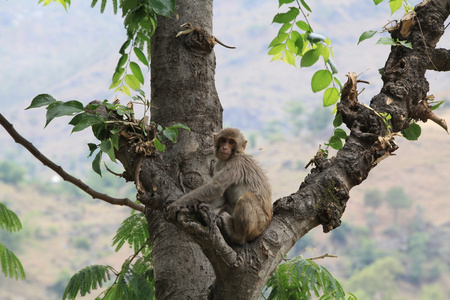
pixel 215 136
pixel 244 145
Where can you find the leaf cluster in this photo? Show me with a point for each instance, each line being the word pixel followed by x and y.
pixel 64 3
pixel 383 40
pixel 339 135
pixel 301 278
pixel 10 264
pixel 296 40
pixel 135 280
pixel 140 21
pixel 394 5
pixel 106 129
pixel 134 231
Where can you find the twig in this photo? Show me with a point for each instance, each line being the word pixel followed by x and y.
pixel 323 256
pixel 64 175
pixel 136 175
pixel 111 171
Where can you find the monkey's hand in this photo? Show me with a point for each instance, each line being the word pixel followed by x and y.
pixel 178 206
pixel 171 211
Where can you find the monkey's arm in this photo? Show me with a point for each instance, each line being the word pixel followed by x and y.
pixel 208 193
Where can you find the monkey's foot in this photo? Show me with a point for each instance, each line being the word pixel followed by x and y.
pixel 224 221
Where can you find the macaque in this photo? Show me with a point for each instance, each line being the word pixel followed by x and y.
pixel 239 191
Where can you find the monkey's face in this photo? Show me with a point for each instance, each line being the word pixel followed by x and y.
pixel 228 142
pixel 226 147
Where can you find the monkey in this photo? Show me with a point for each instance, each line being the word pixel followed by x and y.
pixel 239 191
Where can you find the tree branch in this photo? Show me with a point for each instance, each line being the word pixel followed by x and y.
pixel 440 60
pixel 64 175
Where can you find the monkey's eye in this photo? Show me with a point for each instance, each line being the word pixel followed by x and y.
pixel 232 142
pixel 222 140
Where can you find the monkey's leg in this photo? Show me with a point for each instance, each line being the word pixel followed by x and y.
pixel 228 231
pixel 244 224
pixel 249 217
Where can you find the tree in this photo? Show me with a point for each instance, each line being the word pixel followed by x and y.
pixel 373 199
pixel 397 199
pixel 191 249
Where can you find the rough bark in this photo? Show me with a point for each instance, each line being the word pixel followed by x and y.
pixel 191 254
pixel 183 91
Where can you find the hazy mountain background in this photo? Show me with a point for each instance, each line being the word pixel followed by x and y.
pixel 72 55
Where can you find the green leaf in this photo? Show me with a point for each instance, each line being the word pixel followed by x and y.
pixel 136 70
pixel 171 133
pixel 337 120
pixel 92 148
pixel 405 43
pixel 395 5
pixel 366 35
pixel 10 264
pixel 291 46
pixel 377 1
pixel 8 219
pixel 335 142
pixel 277 49
pixel 280 38
pixel 116 79
pixel 276 57
pixel 132 82
pixel 284 27
pixel 141 56
pixel 158 145
pixel 140 284
pixel 41 100
pixel 179 125
pixel 386 41
pixel 84 120
pixel 325 54
pixel 340 133
pixel 297 38
pixel 59 109
pixel 96 163
pixel 145 36
pixel 412 133
pixel 303 26
pixel 289 57
pixel 298 278
pixel 124 46
pixel 134 231
pixel 115 138
pixel 281 2
pixel 310 57
pixel 106 146
pixel 436 105
pixel 102 7
pixel 305 5
pixel 320 80
pixel 163 7
pixel 287 16
pixel 330 97
pixel 126 90
pixel 87 279
pixel 122 60
pixel 122 291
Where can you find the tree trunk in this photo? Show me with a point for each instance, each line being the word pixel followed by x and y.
pixel 183 91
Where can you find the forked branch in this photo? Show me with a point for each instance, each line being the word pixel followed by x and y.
pixel 64 175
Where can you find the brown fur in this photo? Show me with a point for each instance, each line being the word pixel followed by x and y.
pixel 239 190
